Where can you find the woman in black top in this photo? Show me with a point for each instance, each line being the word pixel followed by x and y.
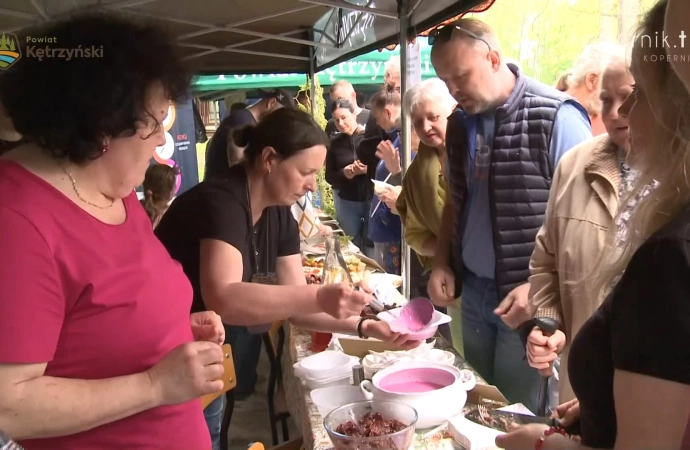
pixel 239 244
pixel 630 362
pixel 347 175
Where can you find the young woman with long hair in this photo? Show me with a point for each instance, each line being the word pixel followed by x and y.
pixel 630 362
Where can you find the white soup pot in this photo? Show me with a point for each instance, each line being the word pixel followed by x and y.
pixel 437 391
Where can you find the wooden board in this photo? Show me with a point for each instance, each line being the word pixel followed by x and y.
pixel 229 377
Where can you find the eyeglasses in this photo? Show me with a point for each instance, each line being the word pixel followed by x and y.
pixel 443 33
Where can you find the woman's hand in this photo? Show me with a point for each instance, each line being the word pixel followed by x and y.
pixel 390 156
pixel 567 413
pixel 207 326
pixel 359 168
pixel 349 171
pixel 341 300
pixel 189 371
pixel 324 230
pixel 390 197
pixel 381 331
pixel 523 437
pixel 542 350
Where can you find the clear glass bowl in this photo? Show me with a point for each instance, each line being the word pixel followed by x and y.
pixel 400 440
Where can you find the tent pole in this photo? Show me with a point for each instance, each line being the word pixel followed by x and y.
pixel 312 81
pixel 405 141
pixel 312 98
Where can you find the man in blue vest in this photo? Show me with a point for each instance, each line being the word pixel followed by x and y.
pixel 503 145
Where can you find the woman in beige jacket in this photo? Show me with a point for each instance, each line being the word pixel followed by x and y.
pixel 587 185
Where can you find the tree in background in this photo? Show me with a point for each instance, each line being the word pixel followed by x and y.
pixel 324 195
pixel 546 36
pixel 320 113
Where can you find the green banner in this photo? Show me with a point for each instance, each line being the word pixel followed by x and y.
pixel 364 69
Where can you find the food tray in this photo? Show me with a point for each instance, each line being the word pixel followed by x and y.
pixel 313 267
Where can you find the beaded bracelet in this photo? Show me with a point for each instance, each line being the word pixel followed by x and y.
pixel 361 322
pixel 547 433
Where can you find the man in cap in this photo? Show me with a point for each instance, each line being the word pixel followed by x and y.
pixel 218 158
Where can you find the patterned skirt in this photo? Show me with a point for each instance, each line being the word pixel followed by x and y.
pixel 387 254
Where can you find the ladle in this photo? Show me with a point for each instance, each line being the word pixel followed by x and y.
pixel 417 314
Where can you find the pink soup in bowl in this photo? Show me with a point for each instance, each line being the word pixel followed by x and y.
pixel 437 391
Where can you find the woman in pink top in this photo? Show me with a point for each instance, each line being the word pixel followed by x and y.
pixel 97 347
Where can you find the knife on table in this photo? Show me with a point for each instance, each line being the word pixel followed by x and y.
pixel 503 420
pixel 521 419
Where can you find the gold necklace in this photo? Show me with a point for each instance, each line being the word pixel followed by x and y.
pixel 76 191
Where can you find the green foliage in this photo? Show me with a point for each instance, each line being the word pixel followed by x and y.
pixel 325 191
pixel 320 113
pixel 327 204
pixel 546 36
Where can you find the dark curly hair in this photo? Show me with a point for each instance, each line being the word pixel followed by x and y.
pixel 70 107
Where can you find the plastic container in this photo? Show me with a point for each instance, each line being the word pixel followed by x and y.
pixel 312 385
pixel 329 368
pixel 329 398
pixel 325 366
pixel 392 318
pixel 389 410
pixel 325 361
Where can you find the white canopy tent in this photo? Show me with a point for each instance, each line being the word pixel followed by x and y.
pixel 258 36
pixel 266 36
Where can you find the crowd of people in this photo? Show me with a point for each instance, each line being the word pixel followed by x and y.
pixel 523 202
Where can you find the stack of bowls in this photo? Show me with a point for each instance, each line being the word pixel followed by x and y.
pixel 329 398
pixel 328 368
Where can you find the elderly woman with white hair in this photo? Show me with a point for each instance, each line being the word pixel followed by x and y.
pixel 423 193
pixel 588 186
pixel 584 80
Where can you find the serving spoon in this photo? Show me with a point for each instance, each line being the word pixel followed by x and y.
pixel 417 314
